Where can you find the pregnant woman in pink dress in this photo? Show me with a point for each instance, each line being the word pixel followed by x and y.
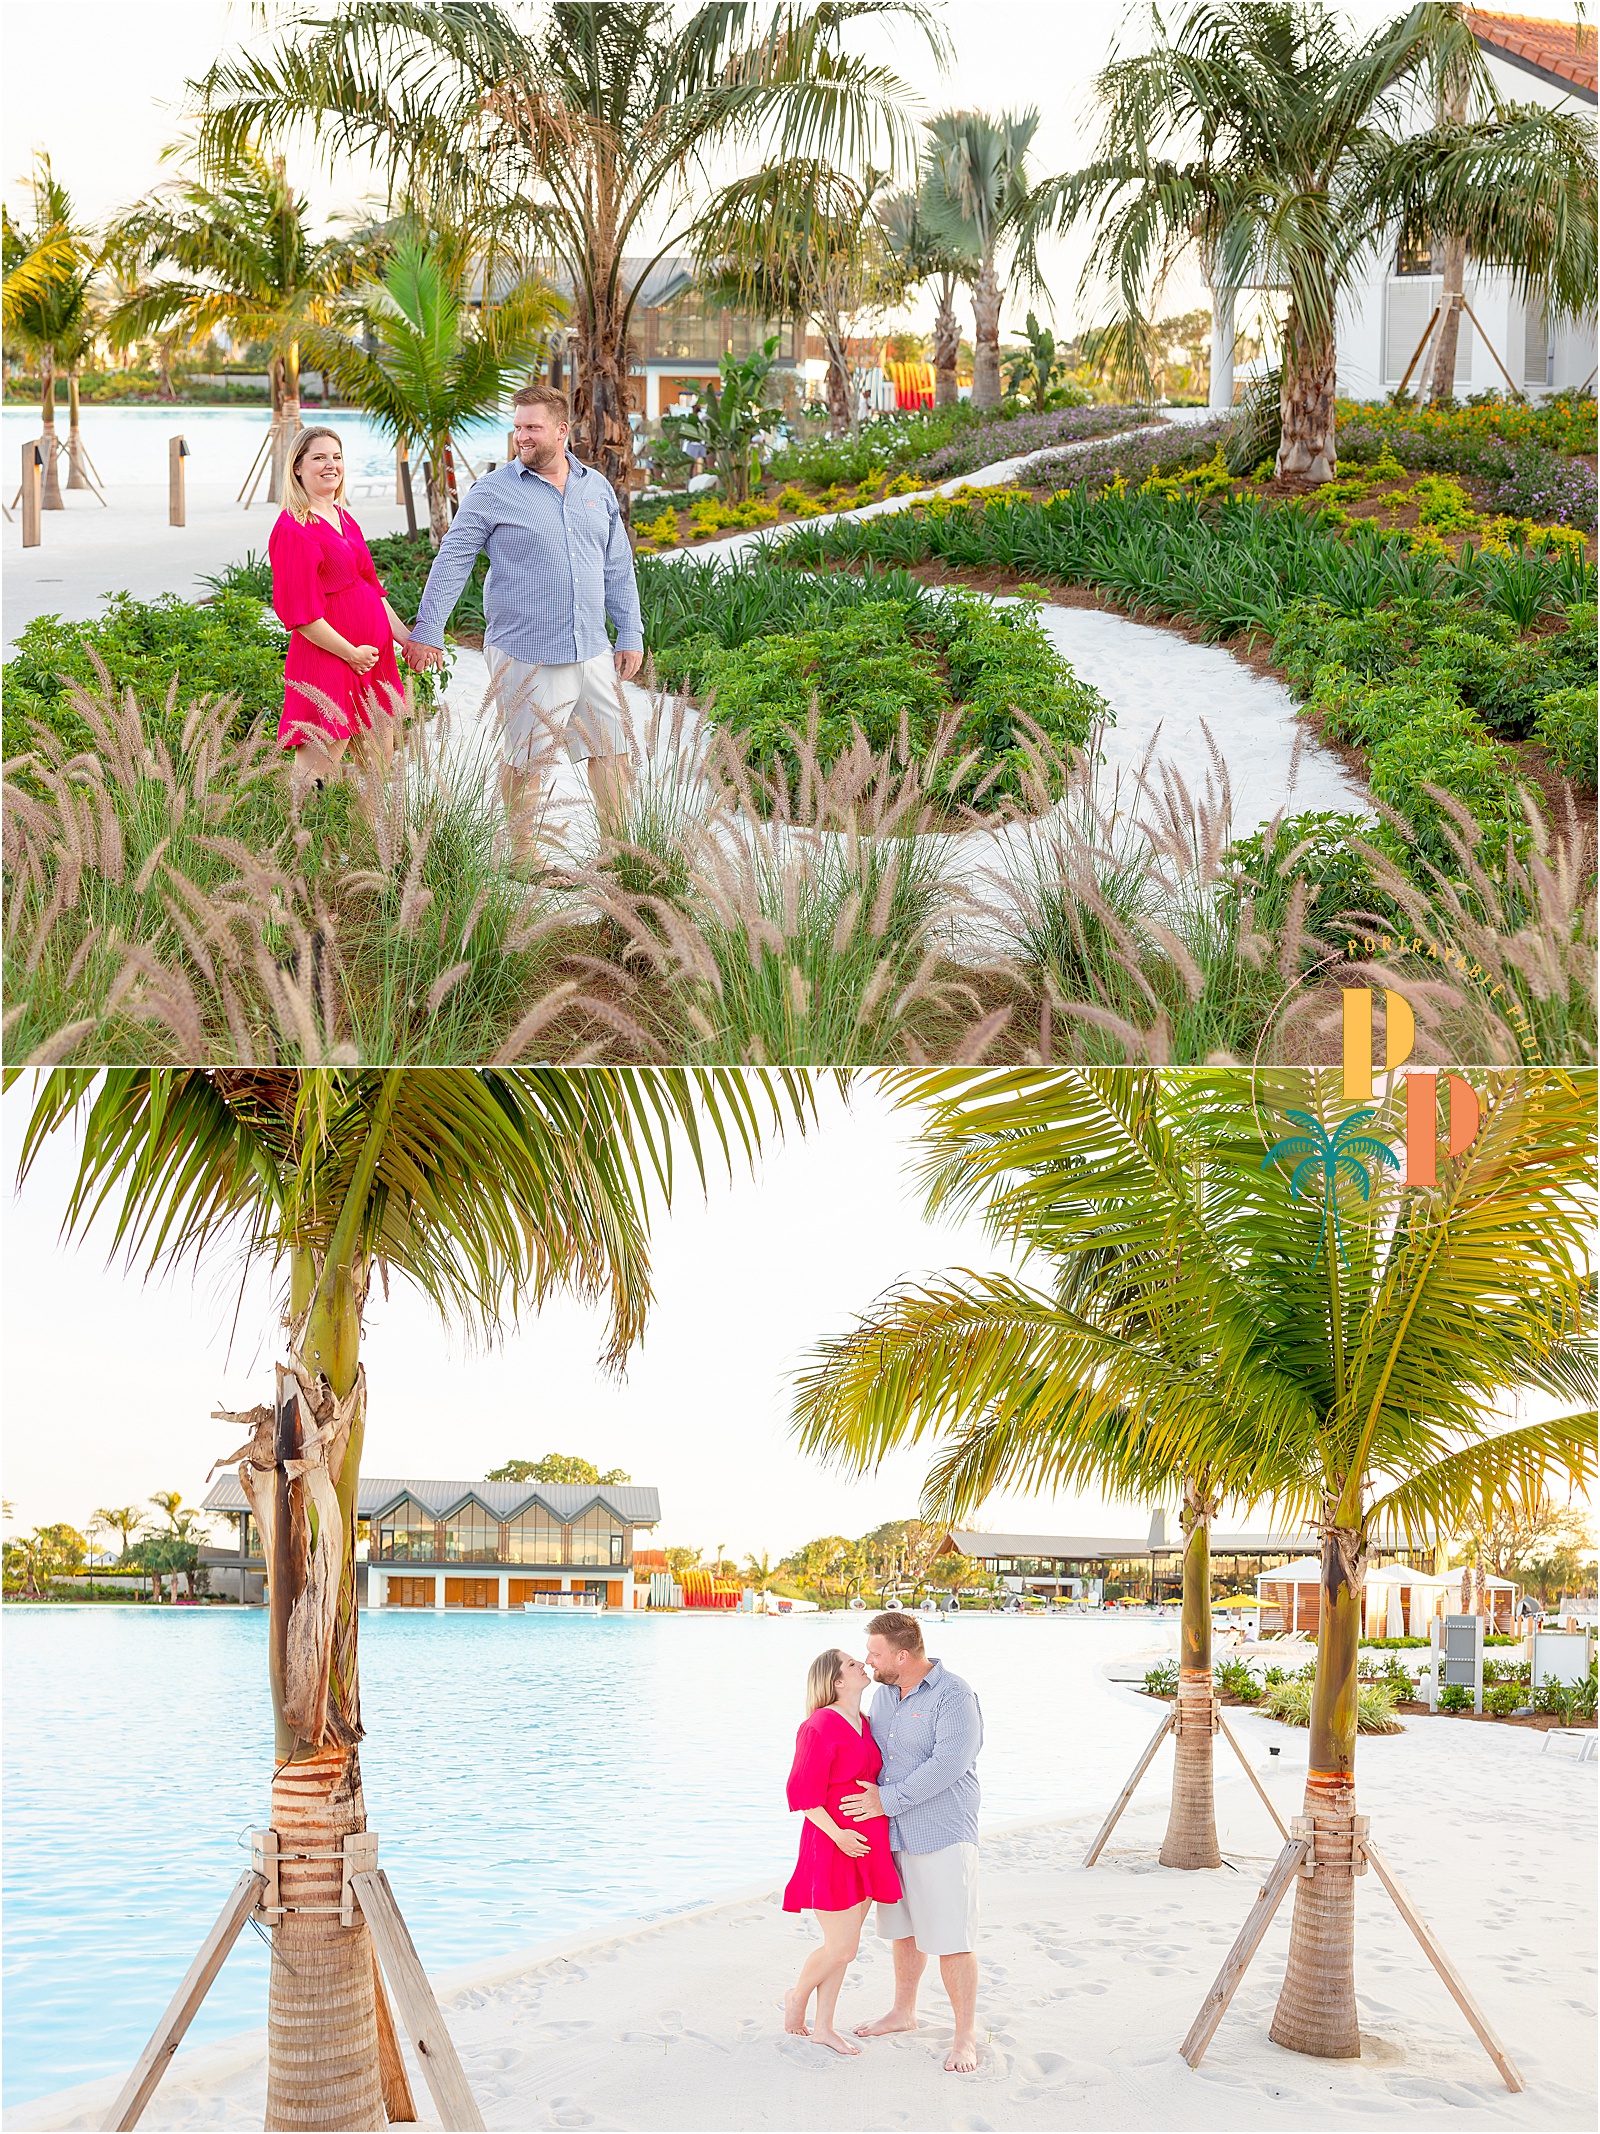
pixel 340 678
pixel 842 1867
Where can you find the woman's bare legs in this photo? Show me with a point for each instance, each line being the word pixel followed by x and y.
pixel 316 760
pixel 822 1973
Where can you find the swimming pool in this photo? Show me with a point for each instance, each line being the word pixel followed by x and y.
pixel 530 1776
pixel 130 444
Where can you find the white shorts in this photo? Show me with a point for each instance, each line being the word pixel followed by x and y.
pixel 578 705
pixel 939 1905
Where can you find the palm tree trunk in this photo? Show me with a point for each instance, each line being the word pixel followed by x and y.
pixel 50 494
pixel 438 488
pixel 77 475
pixel 601 434
pixel 1307 451
pixel 986 298
pixel 1191 1839
pixel 323 2068
pixel 841 394
pixel 946 346
pixel 1317 2007
pixel 1452 269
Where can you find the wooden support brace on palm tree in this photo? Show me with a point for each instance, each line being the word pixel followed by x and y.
pixel 1167 1726
pixel 1298 1857
pixel 365 1887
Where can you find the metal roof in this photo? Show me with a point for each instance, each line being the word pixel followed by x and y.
pixel 566 1501
pixel 971 1543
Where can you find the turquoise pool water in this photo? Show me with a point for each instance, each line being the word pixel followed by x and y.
pixel 130 444
pixel 530 1777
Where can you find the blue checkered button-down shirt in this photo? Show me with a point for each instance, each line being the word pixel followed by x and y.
pixel 929 1742
pixel 559 563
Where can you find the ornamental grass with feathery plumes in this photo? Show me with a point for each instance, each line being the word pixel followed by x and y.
pixel 179 900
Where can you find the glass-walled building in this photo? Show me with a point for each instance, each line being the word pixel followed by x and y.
pixel 493 1545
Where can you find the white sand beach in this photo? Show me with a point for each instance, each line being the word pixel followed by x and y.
pixel 1089 1981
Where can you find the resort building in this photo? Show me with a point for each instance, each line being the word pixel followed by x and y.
pixel 492 1545
pixel 1397 1601
pixel 1506 345
pixel 1098 1568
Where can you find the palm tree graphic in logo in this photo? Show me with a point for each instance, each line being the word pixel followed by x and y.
pixel 1345 1153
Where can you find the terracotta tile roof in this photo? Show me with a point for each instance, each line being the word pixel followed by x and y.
pixel 1566 50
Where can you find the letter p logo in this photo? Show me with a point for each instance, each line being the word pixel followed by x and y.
pixel 1399 1035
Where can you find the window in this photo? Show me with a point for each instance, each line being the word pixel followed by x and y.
pixel 249 1535
pixel 1414 259
pixel 411 1593
pixel 408 1533
pixel 597 1538
pixel 472 1535
pixel 535 1537
pixel 1537 349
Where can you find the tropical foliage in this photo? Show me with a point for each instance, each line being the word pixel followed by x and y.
pixel 973 197
pixel 1275 142
pixel 1368 1375
pixel 587 125
pixel 48 306
pixel 422 364
pixel 483 1194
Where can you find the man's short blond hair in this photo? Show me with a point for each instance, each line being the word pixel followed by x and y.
pixel 903 1632
pixel 539 395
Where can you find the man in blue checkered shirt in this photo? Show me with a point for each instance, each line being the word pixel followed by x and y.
pixel 560 563
pixel 929 1730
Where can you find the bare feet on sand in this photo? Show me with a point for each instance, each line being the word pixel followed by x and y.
pixel 832 2039
pixel 962 2058
pixel 886 2025
pixel 794 2014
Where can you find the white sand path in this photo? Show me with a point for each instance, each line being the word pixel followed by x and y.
pixel 1089 1981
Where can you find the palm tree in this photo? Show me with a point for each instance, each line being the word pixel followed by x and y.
pixel 758 1571
pixel 1372 1386
pixel 123 1519
pixel 592 123
pixel 485 1191
pixel 49 266
pixel 229 249
pixel 1269 139
pixel 1057 1388
pixel 974 194
pixel 424 366
pixel 923 257
pixel 802 240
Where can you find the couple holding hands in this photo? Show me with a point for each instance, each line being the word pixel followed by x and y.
pixel 560 563
pixel 890 1800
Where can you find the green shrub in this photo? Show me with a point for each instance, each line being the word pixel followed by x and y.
pixel 1237 1678
pixel 1455 1697
pixel 1290 1702
pixel 1566 729
pixel 1504 1699
pixel 1162 1679
pixel 231 646
pixel 890 669
pixel 1445 746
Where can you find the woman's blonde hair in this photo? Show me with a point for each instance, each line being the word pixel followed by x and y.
pixel 295 499
pixel 822 1683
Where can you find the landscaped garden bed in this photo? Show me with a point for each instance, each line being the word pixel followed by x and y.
pixel 823 662
pixel 892 457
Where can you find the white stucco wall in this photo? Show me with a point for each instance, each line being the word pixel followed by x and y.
pixel 1382 315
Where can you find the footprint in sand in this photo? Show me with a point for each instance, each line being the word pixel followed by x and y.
pixel 496 2059
pixel 568 2112
pixel 1054 2071
pixel 558 2032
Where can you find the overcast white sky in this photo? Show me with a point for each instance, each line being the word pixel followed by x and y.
pixel 100 84
pixel 109 1384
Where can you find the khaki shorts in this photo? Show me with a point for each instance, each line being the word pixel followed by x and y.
pixel 578 706
pixel 938 1908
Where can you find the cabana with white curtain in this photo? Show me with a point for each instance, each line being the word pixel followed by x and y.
pixel 1397 1601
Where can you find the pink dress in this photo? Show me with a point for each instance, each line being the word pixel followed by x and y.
pixel 323 573
pixel 830 1760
